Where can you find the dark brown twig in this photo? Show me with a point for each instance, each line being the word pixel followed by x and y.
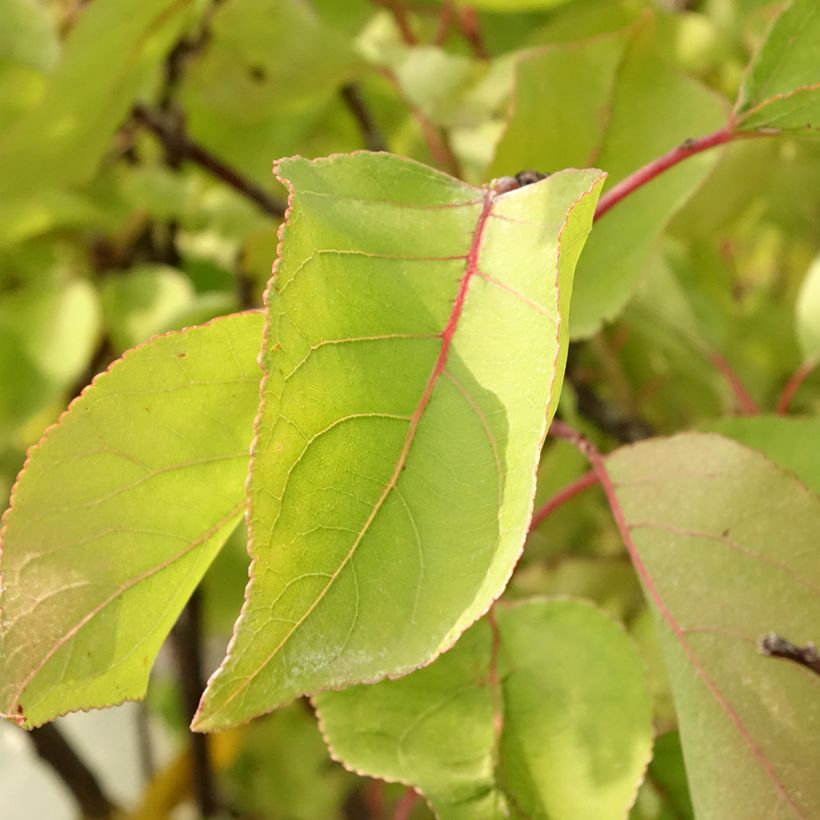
pixel 774 646
pixel 55 750
pixel 176 141
pixel 373 138
pixel 187 641
pixel 609 418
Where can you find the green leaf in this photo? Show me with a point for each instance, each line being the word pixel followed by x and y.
pixel 549 718
pixel 665 784
pixel 48 332
pixel 144 301
pixel 266 85
pixel 104 65
pixel 415 349
pixel 614 102
pixel 727 549
pixel 788 441
pixel 782 86
pixel 117 515
pixel 807 312
pixel 27 35
pixel 283 770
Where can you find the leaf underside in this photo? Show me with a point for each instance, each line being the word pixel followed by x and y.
pixel 545 714
pixel 738 559
pixel 415 347
pixel 117 515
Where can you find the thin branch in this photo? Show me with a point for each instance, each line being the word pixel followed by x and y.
pixel 405 805
pixel 373 794
pixel 793 384
pixel 663 163
pixel 178 143
pixel 145 747
pixel 54 749
pixel 562 496
pixel 445 21
pixel 187 640
pixel 774 646
pixel 373 138
pixel 438 143
pixel 402 18
pixel 467 20
pixel 746 404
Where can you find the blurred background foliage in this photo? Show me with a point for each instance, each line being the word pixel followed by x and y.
pixel 136 197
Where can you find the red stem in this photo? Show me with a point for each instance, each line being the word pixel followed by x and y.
pixel 793 384
pixel 746 404
pixel 405 805
pixel 471 29
pixel 402 18
pixel 562 496
pixel 663 163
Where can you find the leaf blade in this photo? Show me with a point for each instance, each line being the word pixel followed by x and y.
pixel 745 540
pixel 94 574
pixel 495 729
pixel 409 344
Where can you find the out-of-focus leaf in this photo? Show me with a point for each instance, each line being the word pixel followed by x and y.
pixel 118 513
pixel 788 441
pixel 728 550
pixel 27 216
pixel 666 782
pixel 103 67
pixel 615 102
pixel 416 343
pixel 267 83
pixel 143 301
pixel 27 35
pixel 48 332
pixel 283 770
pixel 549 717
pixel 807 312
pixel 516 5
pixel 782 87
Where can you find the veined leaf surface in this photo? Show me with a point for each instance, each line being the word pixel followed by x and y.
pixel 117 515
pixel 545 715
pixel 727 548
pixel 782 85
pixel 415 348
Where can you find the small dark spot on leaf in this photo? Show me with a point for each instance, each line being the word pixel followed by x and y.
pixel 725 533
pixel 257 73
pixel 19 708
pixel 182 355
